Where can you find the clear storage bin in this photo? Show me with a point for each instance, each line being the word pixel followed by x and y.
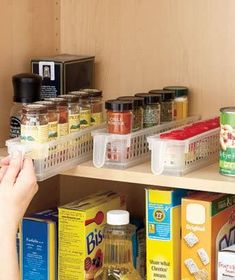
pixel 59 155
pixel 122 151
pixel 178 157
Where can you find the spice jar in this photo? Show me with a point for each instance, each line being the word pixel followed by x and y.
pixel 152 109
pixel 73 110
pixel 53 118
pixel 180 101
pixel 84 108
pixel 27 89
pixel 95 96
pixel 167 104
pixel 62 107
pixel 138 104
pixel 34 124
pixel 119 116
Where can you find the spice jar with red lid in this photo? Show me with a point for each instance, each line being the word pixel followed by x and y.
pixel 119 116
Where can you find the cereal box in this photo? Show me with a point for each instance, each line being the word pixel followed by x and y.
pixel 81 234
pixel 226 263
pixel 163 233
pixel 38 246
pixel 208 225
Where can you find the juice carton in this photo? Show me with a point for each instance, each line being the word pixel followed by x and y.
pixel 208 225
pixel 226 264
pixel 81 234
pixel 38 246
pixel 163 233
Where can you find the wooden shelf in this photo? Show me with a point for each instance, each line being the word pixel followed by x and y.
pixel 205 179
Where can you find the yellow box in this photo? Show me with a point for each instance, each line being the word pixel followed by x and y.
pixel 163 233
pixel 81 234
pixel 208 225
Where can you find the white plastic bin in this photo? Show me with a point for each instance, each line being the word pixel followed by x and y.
pixel 122 151
pixel 59 155
pixel 178 157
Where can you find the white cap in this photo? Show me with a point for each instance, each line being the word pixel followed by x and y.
pixel 118 217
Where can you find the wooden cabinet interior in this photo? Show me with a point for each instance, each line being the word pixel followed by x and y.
pixel 139 45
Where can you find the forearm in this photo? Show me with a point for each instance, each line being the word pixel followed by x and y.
pixel 8 256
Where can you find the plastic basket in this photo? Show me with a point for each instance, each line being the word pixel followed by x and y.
pixel 59 155
pixel 122 151
pixel 178 157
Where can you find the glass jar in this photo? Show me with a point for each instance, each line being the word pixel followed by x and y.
pixel 119 116
pixel 138 104
pixel 73 109
pixel 62 107
pixel 27 89
pixel 53 118
pixel 84 108
pixel 34 124
pixel 152 109
pixel 180 101
pixel 95 96
pixel 167 104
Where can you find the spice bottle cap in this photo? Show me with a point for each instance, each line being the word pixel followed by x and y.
pixel 57 101
pixel 180 91
pixel 80 94
pixel 166 94
pixel 71 98
pixel 150 98
pixel 118 217
pixel 49 104
pixel 137 101
pixel 27 87
pixel 119 105
pixel 93 92
pixel 34 109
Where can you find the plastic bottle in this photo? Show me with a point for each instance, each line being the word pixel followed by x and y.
pixel 118 263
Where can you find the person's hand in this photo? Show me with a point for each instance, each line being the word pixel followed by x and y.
pixel 17 188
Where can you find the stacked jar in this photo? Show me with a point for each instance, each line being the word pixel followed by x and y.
pixel 167 104
pixel 138 105
pixel 180 101
pixel 95 97
pixel 152 109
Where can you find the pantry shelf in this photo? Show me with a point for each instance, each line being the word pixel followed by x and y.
pixel 205 179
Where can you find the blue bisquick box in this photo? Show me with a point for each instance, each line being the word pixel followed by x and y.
pixel 38 246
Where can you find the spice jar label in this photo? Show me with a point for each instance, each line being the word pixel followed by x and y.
pixel 96 118
pixel 63 129
pixel 74 122
pixel 85 118
pixel 53 130
pixel 34 134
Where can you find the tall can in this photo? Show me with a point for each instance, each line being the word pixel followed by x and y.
pixel 227 141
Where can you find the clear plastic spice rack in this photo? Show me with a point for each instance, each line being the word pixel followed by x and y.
pixel 59 155
pixel 178 157
pixel 123 151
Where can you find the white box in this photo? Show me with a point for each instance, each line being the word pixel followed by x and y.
pixel 226 264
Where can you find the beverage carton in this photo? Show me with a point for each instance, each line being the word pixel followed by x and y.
pixel 208 225
pixel 226 264
pixel 81 234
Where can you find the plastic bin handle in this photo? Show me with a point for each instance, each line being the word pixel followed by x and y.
pixel 157 156
pixel 99 150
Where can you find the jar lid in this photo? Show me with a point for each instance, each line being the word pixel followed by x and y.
pixel 80 94
pixel 34 109
pixel 27 87
pixel 165 94
pixel 70 97
pixel 230 110
pixel 119 105
pixel 49 104
pixel 93 92
pixel 137 101
pixel 150 98
pixel 180 91
pixel 118 217
pixel 57 101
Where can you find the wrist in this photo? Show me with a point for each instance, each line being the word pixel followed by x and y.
pixel 8 229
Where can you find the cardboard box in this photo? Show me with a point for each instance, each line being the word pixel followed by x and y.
pixel 64 73
pixel 226 263
pixel 81 234
pixel 163 233
pixel 38 246
pixel 207 224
